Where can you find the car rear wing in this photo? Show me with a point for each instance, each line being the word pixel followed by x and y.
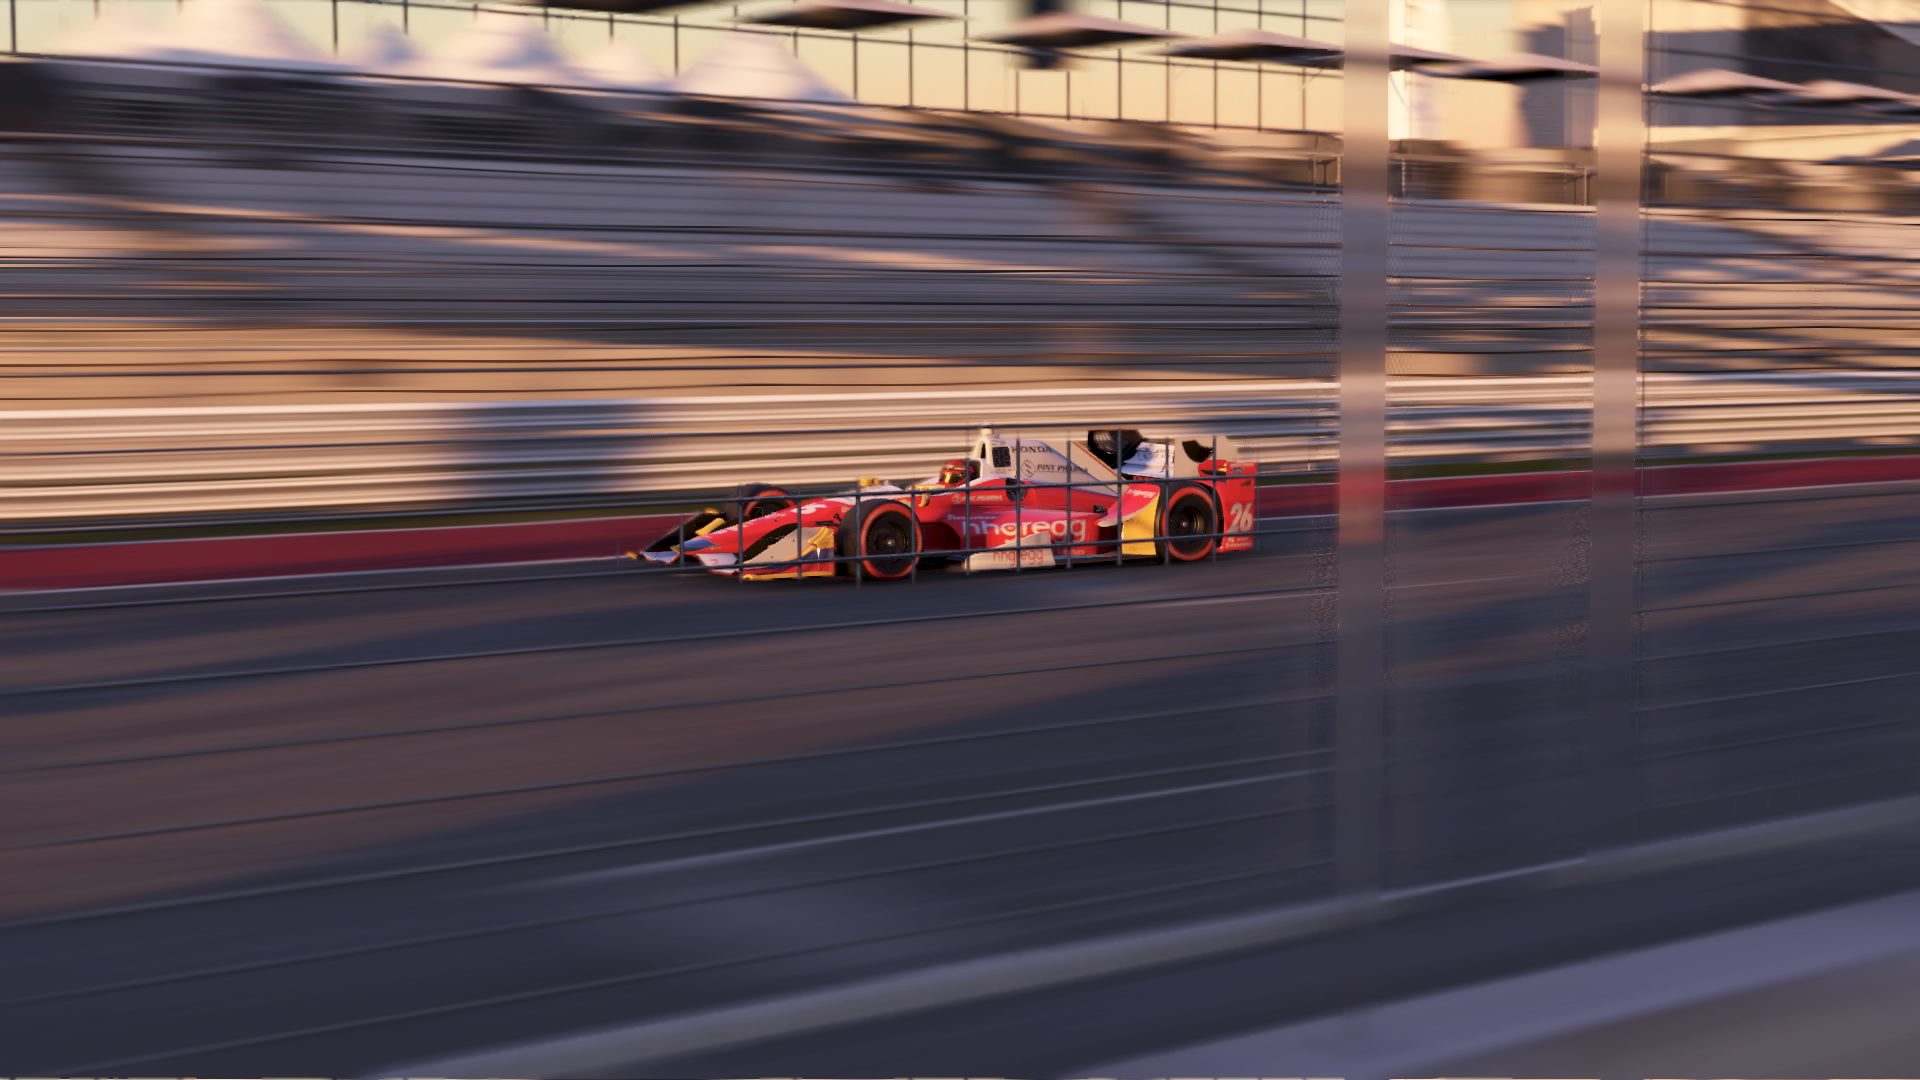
pixel 1180 456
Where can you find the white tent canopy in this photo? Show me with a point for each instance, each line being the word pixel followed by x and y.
pixel 848 14
pixel 1720 82
pixel 620 65
pixel 245 30
pixel 502 47
pixel 1518 67
pixel 243 33
pixel 758 66
pixel 1075 30
pixel 119 31
pixel 1249 44
pixel 385 51
pixel 1838 92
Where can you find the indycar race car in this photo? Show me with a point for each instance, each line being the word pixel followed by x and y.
pixel 1014 503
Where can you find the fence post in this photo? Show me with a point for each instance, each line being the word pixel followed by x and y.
pixel 1360 651
pixel 1619 162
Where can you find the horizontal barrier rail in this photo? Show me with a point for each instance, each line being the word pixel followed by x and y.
pixel 77 464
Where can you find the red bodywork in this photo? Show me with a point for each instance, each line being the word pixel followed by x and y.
pixel 989 524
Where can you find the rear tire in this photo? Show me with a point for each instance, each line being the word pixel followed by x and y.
pixel 1189 525
pixel 880 541
pixel 754 500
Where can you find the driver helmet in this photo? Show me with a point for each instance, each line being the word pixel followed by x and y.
pixel 958 471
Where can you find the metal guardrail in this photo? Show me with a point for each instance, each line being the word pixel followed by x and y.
pixel 85 463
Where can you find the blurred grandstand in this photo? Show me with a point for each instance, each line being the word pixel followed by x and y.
pixel 239 238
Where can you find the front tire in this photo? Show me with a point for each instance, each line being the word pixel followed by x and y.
pixel 880 540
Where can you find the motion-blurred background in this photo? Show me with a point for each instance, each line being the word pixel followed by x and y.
pixel 296 274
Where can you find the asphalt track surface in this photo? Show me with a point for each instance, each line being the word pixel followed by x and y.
pixel 354 821
pixel 1819 993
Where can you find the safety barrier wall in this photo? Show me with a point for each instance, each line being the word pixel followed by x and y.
pixel 102 463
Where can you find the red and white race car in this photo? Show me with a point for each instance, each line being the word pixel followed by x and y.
pixel 1014 503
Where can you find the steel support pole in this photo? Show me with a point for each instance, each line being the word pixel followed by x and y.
pixel 1620 142
pixel 1360 653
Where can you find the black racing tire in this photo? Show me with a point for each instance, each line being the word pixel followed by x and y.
pixel 879 541
pixel 1189 525
pixel 755 500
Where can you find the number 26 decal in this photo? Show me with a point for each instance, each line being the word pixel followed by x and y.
pixel 1240 520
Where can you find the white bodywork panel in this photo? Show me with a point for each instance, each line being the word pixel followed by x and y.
pixel 1060 459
